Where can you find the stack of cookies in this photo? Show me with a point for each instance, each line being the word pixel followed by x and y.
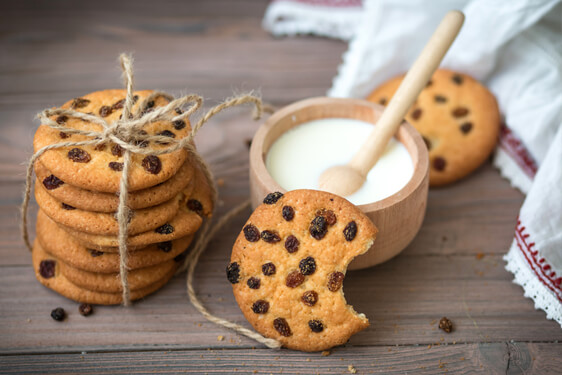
pixel 76 252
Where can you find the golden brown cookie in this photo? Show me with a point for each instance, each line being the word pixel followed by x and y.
pixel 458 118
pixel 57 242
pixel 288 265
pixel 47 271
pixel 99 167
pixel 108 202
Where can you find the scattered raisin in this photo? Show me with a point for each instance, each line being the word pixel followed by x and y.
pixel 254 283
pixel 446 325
pixel 288 213
pixel 307 266
pixel 47 268
pixel 292 244
pixel 58 314
pixel 416 114
pixel 350 231
pixel 270 236
pixel 316 326
pixel 382 101
pixel 85 309
pixel 179 124
pixel 457 79
pixel 335 280
pixel 466 127
pixel 78 155
pixel 233 273
pixel 79 103
pixel 309 298
pixel 268 269
pixel 67 206
pixel 52 182
pixel 165 246
pixel 439 163
pixel 281 326
pixel 117 150
pixel 152 164
pixel 61 119
pixel 63 135
pixel 329 215
pixel 165 229
pixel 260 306
pixel 272 198
pixel 427 143
pixel 116 166
pixel 460 112
pixel 318 227
pixel 294 279
pixel 251 233
pixel 95 253
pixel 195 206
pixel 105 111
pixel 118 104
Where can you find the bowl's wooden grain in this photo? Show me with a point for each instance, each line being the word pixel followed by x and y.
pixel 398 217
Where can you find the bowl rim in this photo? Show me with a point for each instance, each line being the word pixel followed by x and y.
pixel 420 157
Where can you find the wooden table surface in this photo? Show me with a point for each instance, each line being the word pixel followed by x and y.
pixel 53 51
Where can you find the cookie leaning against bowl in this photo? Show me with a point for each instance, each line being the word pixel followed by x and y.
pixel 288 265
pixel 458 118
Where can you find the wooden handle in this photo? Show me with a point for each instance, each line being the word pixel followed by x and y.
pixel 415 80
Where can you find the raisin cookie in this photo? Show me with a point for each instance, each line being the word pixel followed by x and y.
pixel 458 118
pixel 288 265
pixel 99 167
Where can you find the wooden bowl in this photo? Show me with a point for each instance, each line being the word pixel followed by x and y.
pixel 398 217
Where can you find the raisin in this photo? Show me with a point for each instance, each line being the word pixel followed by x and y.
pixel 350 231
pixel 135 99
pixel 288 213
pixel 440 99
pixel 79 156
pixel 67 206
pixel 117 150
pixel 307 266
pixel 383 101
pixel 318 227
pixel 335 280
pixel 460 112
pixel 150 104
pixel 85 309
pixel 179 124
pixel 47 268
pixel 315 326
pixel 165 246
pixel 140 142
pixel 439 163
pixel 167 133
pixel 95 253
pixel 254 283
pixel 118 104
pixel 100 147
pixel 52 182
pixel 292 244
pixel 58 314
pixel 63 135
pixel 429 83
pixel 427 143
pixel 466 127
pixel 260 306
pixel 294 279
pixel 329 215
pixel 116 166
pixel 416 114
pixel 152 164
pixel 195 205
pixel 309 298
pixel 272 198
pixel 446 325
pixel 251 233
pixel 281 326
pixel 268 269
pixel 105 111
pixel 178 111
pixel 270 236
pixel 61 119
pixel 79 103
pixel 457 79
pixel 165 229
pixel 233 273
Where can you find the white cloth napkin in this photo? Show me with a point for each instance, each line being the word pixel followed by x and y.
pixel 515 48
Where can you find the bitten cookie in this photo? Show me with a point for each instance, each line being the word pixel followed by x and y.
pixel 458 118
pixel 288 265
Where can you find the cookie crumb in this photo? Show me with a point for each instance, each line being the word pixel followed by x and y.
pixel 446 325
pixel 220 181
pixel 479 255
pixel 220 338
pixel 326 353
pixel 351 369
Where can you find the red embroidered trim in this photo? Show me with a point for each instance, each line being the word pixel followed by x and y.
pixel 516 149
pixel 541 268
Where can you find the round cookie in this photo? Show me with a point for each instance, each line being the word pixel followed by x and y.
pixel 98 167
pixel 89 200
pixel 458 118
pixel 47 271
pixel 288 265
pixel 57 242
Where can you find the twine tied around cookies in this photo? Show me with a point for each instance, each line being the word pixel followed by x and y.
pixel 128 134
